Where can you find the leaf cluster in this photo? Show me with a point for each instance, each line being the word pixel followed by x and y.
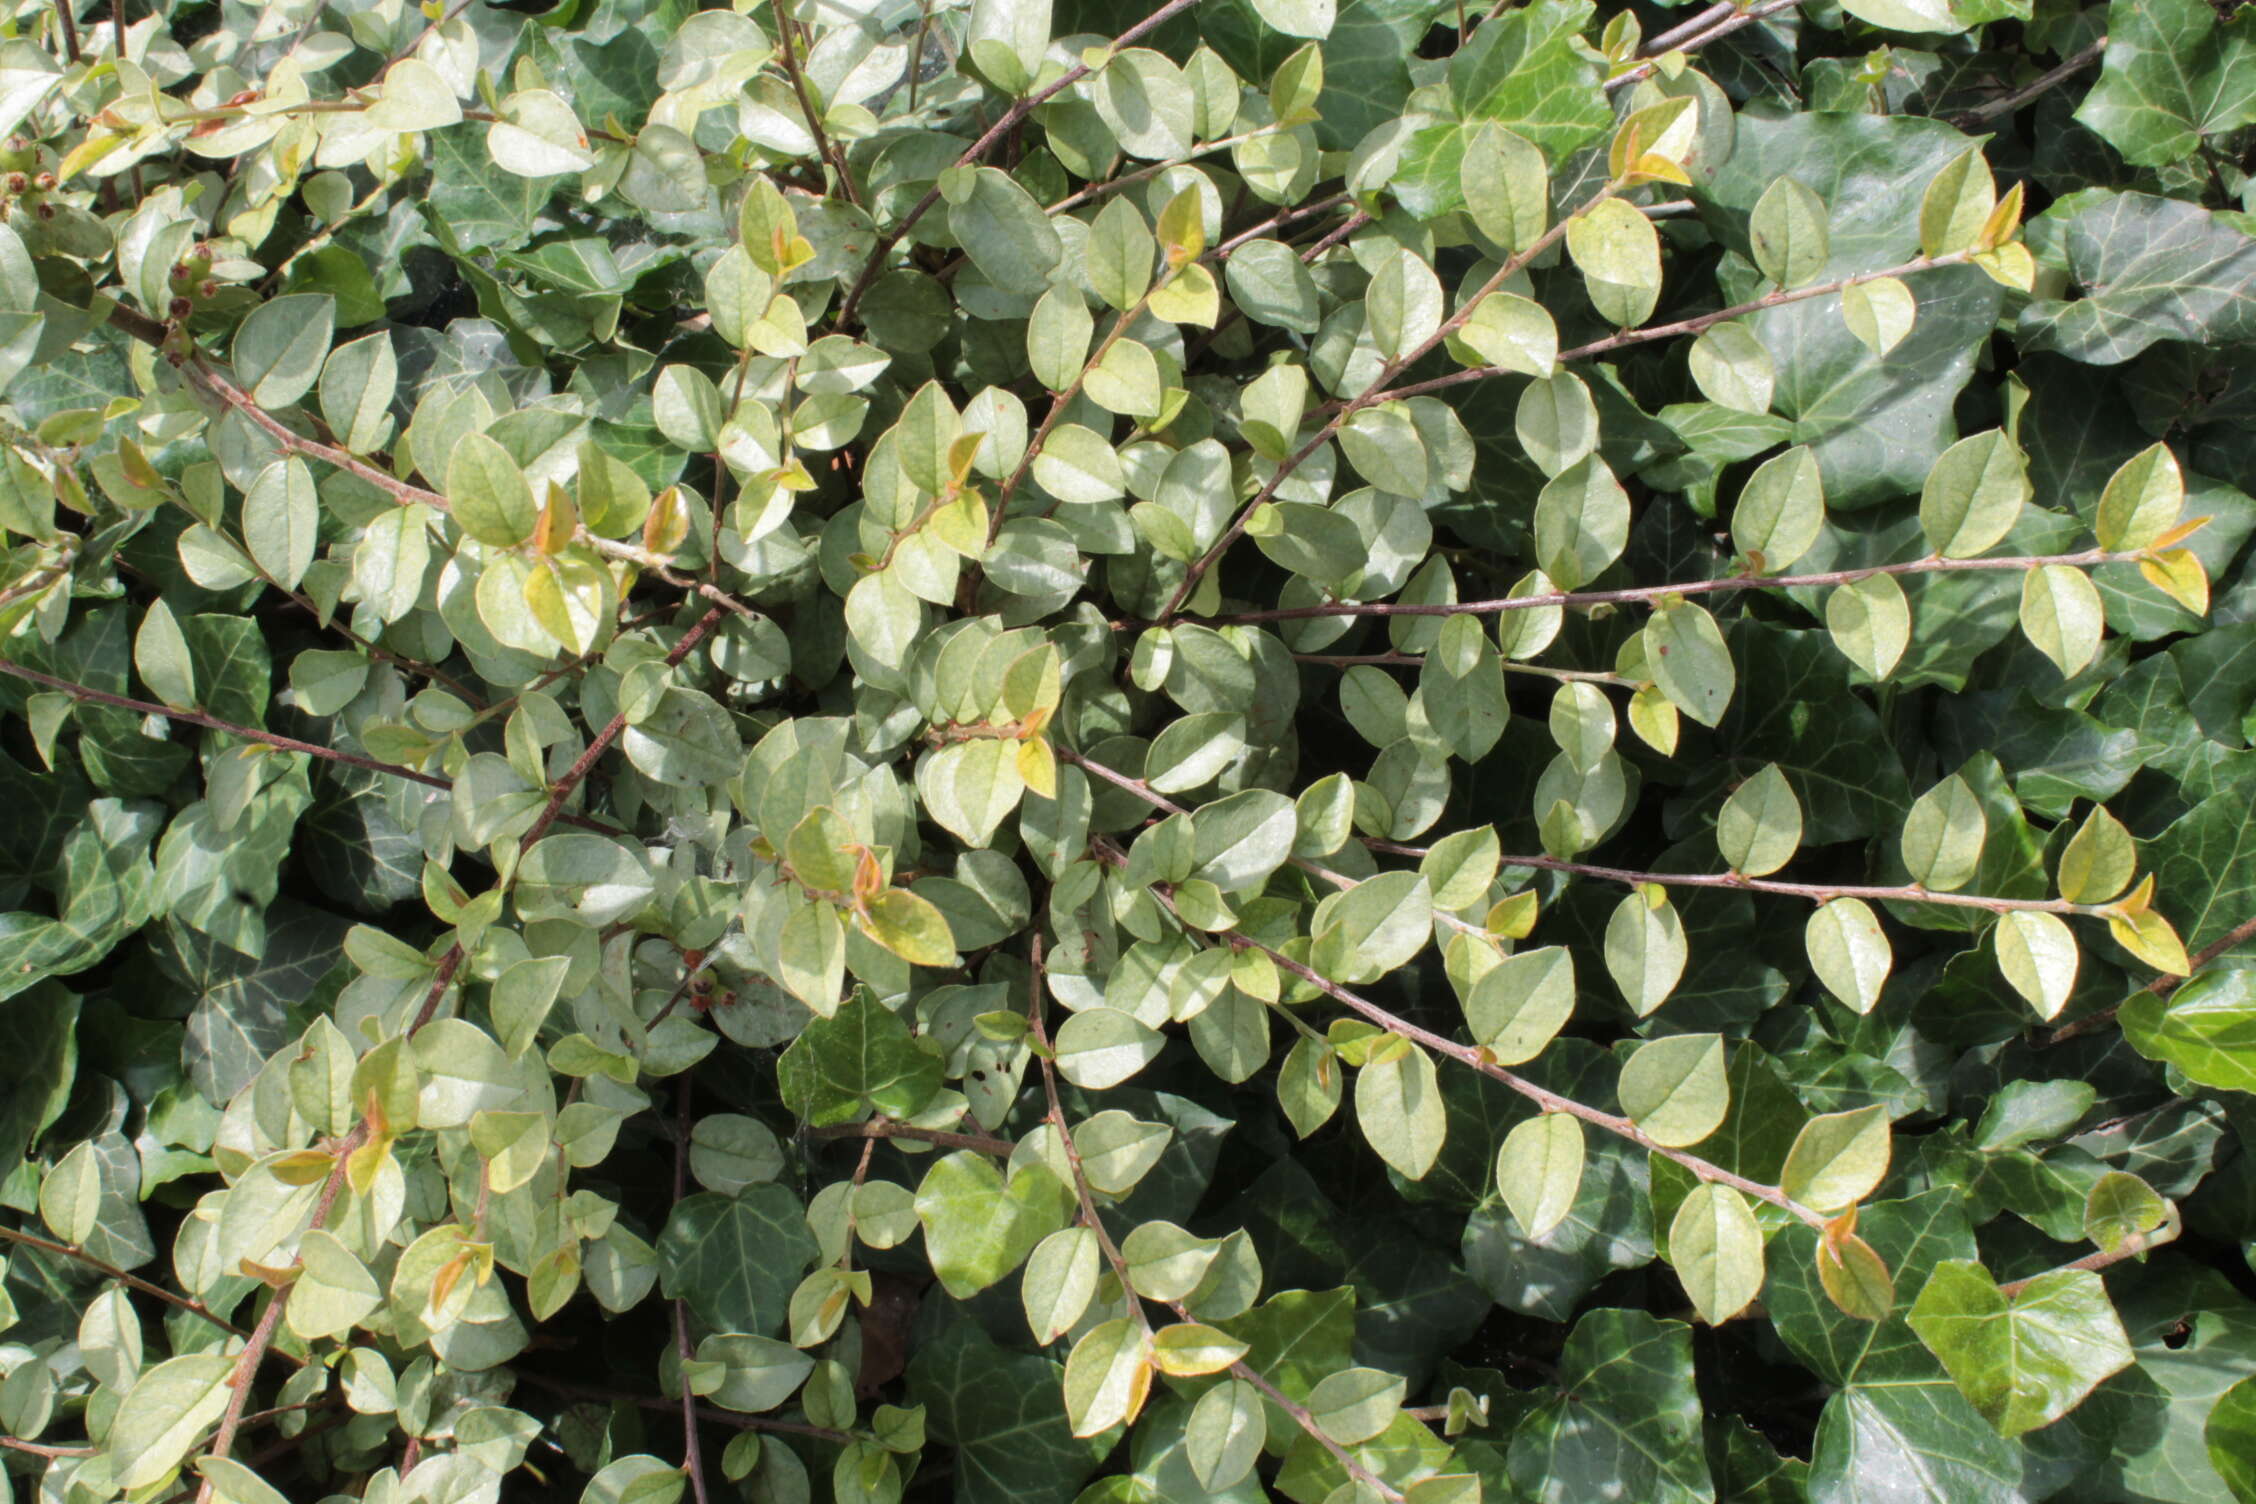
pixel 1325 749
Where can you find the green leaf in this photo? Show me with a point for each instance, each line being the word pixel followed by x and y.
pixel 1373 927
pixel 1855 1277
pixel 2062 615
pixel 2206 1028
pixel 1781 510
pixel 1684 649
pixel 1837 1159
pixel 1675 1089
pixel 1880 312
pixel 161 657
pixel 164 1416
pixel 1787 232
pixel 736 1258
pixel 862 1058
pixel 358 382
pixel 1506 189
pixel 2142 500
pixel 1956 203
pixel 1581 523
pixel 2171 76
pixel 1974 494
pixel 1732 369
pixel 1626 1416
pixel 1102 1047
pixel 1645 949
pixel 1759 827
pixel 2230 1433
pixel 1107 1377
pixel 2120 1207
pixel 2099 860
pixel 1618 253
pixel 755 1373
pixel 1717 1249
pixel 1849 951
pixel 1539 1171
pixel 1531 76
pixel 2024 1359
pixel 1944 835
pixel 280 348
pixel 2146 269
pixel 489 493
pixel 1398 1105
pixel 1223 1437
pixel 1519 1005
pixel 1870 622
pixel 2037 954
pixel 282 520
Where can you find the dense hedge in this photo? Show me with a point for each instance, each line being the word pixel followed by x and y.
pixel 1335 749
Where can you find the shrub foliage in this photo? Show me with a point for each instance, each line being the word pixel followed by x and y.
pixel 1020 751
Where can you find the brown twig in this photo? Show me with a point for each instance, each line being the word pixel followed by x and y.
pixel 828 150
pixel 1678 41
pixel 552 811
pixel 2161 986
pixel 262 1335
pixel 881 1128
pixel 2133 1246
pixel 1814 892
pixel 986 143
pixel 1776 298
pixel 1542 1096
pixel 42 1449
pixel 70 30
pixel 1089 1219
pixel 693 1457
pixel 1648 593
pixel 1367 398
pixel 707 1413
pixel 2048 80
pixel 111 1271
pixel 92 696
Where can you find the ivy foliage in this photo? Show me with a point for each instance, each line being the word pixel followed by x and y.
pixel 1325 749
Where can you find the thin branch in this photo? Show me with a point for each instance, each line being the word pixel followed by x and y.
pixel 1814 892
pixel 132 1281
pixel 2133 1246
pixel 879 1128
pixel 42 1449
pixel 1278 221
pixel 1542 1096
pixel 199 373
pixel 1089 1219
pixel 986 143
pixel 70 30
pixel 1159 801
pixel 1776 298
pixel 262 1335
pixel 1064 400
pixel 1370 396
pixel 707 1413
pixel 1094 191
pixel 1417 660
pixel 1648 593
pixel 2044 82
pixel 2161 986
pixel 91 696
pixel 824 147
pixel 1697 39
pixel 552 811
pixel 1669 40
pixel 693 1456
